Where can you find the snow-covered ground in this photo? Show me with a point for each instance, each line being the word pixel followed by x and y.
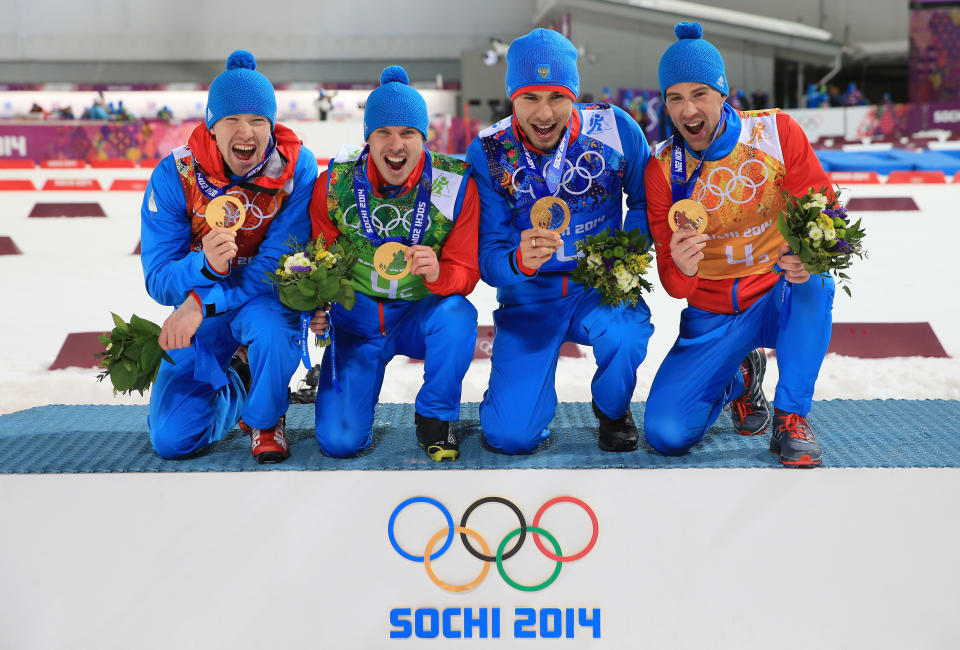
pixel 74 272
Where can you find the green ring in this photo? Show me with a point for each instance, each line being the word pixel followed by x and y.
pixel 516 585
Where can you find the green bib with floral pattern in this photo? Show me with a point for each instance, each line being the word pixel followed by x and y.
pixel 391 218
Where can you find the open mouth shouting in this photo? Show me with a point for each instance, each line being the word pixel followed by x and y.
pixel 544 132
pixel 244 152
pixel 694 128
pixel 395 162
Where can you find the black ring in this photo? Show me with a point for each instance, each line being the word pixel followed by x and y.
pixel 493 558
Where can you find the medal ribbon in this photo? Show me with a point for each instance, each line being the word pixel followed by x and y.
pixel 680 185
pixel 305 318
pixel 554 172
pixel 212 191
pixel 362 192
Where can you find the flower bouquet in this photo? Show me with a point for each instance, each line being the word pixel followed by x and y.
pixel 614 264
pixel 819 232
pixel 132 356
pixel 313 275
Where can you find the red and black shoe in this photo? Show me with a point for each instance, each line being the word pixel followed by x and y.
pixel 750 412
pixel 268 445
pixel 793 441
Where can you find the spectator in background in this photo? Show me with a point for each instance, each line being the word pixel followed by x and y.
pixel 324 104
pixel 759 100
pixel 37 112
pixel 853 96
pixel 165 113
pixel 814 97
pixel 96 111
pixel 834 97
pixel 65 113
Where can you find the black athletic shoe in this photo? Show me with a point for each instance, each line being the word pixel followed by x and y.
pixel 619 434
pixel 436 438
pixel 240 365
pixel 793 441
pixel 306 392
pixel 751 411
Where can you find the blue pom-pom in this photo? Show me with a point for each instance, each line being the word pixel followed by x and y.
pixel 394 73
pixel 688 30
pixel 241 59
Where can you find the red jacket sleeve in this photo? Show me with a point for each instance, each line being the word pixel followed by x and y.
pixel 459 268
pixel 803 170
pixel 659 200
pixel 319 218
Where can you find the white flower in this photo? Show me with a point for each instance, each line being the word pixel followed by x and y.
pixel 297 259
pixel 594 261
pixel 625 279
pixel 815 232
pixel 817 200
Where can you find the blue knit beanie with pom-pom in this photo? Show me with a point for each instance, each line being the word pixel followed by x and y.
pixel 692 59
pixel 240 90
pixel 395 103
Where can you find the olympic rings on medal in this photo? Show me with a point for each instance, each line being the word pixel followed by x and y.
pixel 429 555
pixel 254 214
pixel 737 180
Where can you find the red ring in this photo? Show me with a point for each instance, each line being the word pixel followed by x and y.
pixel 593 520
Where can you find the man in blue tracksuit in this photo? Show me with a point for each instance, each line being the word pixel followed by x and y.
pixel 395 196
pixel 244 163
pixel 597 153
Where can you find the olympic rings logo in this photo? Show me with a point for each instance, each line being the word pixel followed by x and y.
pixel 254 213
pixel 398 221
pixel 737 181
pixel 488 558
pixel 587 172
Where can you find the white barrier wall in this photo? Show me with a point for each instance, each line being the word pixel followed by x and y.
pixel 692 559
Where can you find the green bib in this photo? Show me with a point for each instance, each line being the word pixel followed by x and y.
pixel 392 218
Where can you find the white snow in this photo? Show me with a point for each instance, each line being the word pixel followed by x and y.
pixel 74 272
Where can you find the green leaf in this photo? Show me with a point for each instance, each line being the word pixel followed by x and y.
pixel 143 326
pixel 121 326
pixel 122 377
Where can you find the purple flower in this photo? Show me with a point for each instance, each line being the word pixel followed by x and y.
pixel 838 212
pixel 302 269
pixel 840 246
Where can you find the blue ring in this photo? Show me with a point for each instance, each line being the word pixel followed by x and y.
pixel 393 519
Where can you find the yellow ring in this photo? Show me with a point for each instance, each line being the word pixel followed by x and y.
pixel 445 585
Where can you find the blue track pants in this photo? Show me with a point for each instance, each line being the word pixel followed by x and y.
pixel 187 413
pixel 440 330
pixel 521 400
pixel 701 372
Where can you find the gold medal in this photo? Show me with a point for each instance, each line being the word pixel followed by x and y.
pixel 225 211
pixel 687 213
pixel 389 261
pixel 550 213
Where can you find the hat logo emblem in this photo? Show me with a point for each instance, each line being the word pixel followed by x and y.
pixel 543 71
pixel 721 81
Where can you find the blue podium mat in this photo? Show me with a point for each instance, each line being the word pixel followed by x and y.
pixel 96 438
